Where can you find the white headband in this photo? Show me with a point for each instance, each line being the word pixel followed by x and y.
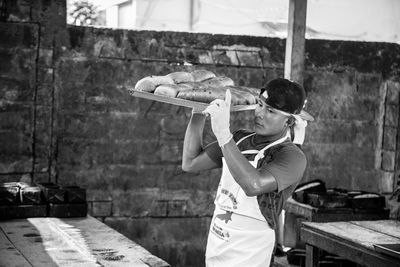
pixel 303 115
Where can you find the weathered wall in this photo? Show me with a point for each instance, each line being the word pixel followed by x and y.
pixel 66 116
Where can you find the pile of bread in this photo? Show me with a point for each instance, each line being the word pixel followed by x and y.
pixel 200 86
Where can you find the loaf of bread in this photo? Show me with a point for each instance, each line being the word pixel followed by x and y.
pixel 170 90
pixel 150 83
pixel 252 91
pixel 207 94
pixel 219 81
pixel 146 85
pixel 195 85
pixel 204 95
pixel 181 77
pixel 202 75
pixel 242 97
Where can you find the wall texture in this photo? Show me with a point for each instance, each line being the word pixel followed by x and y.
pixel 66 116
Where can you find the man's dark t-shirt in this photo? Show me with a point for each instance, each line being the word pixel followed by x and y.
pixel 285 162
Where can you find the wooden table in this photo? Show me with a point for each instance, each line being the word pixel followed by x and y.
pixel 81 241
pixel 352 240
pixel 296 213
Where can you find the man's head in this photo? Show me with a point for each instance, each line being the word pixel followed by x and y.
pixel 278 101
pixel 284 95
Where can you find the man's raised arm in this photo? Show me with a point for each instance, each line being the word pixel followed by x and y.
pixel 194 158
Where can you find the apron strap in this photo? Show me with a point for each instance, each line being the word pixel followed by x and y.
pixel 260 154
pixel 238 142
pixel 250 151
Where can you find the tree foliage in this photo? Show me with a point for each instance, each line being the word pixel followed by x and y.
pixel 82 13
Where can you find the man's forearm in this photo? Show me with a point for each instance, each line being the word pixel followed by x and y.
pixel 193 142
pixel 251 180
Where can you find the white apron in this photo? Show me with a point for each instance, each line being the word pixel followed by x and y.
pixel 239 235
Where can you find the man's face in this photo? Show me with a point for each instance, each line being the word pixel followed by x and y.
pixel 268 120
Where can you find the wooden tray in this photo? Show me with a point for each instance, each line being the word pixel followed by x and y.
pixel 184 102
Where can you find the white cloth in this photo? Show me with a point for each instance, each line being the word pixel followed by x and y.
pixel 231 245
pixel 299 130
pixel 239 234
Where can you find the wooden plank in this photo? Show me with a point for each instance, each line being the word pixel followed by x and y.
pixel 22 211
pixel 388 227
pixel 42 245
pixel 311 256
pixel 393 86
pixel 282 262
pixel 295 41
pixel 118 250
pixel 191 15
pixel 65 210
pixel 10 256
pixel 313 214
pixel 75 242
pixel 345 248
pixel 353 233
pixel 299 209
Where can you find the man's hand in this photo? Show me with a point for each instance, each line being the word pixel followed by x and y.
pixel 219 111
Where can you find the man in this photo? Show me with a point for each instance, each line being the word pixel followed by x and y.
pixel 260 170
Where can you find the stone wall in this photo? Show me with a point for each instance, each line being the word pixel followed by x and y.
pixel 66 116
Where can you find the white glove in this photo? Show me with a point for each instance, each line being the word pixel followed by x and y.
pixel 219 111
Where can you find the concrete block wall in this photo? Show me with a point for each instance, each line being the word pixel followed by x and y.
pixel 66 116
pixel 30 32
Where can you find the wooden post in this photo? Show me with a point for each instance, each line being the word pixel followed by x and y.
pixel 311 256
pixel 191 15
pixel 295 41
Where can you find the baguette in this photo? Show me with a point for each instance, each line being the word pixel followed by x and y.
pixel 146 85
pixel 204 94
pixel 195 85
pixel 242 97
pixel 180 77
pixel 207 94
pixel 368 195
pixel 253 91
pixel 149 84
pixel 202 75
pixel 219 81
pixel 162 79
pixel 170 90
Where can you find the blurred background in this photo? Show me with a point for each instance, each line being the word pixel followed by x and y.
pixel 67 117
pixel 357 20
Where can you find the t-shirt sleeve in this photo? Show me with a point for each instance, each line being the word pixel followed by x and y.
pixel 214 152
pixel 287 167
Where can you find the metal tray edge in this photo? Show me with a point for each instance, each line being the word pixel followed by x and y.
pixel 184 102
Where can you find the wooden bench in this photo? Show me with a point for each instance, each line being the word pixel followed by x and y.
pixel 352 240
pixel 83 241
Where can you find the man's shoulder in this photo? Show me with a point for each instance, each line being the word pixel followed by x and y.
pixel 289 147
